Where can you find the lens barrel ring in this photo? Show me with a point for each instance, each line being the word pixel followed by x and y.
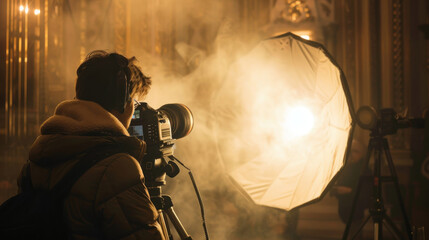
pixel 181 119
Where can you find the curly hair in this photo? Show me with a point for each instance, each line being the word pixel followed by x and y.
pixel 140 83
pixel 110 80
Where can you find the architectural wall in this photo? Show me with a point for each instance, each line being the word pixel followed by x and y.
pixel 380 45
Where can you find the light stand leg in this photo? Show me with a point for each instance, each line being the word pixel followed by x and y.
pixel 361 227
pixel 350 220
pixel 358 188
pixel 378 209
pixel 395 182
pixel 376 231
pixel 395 231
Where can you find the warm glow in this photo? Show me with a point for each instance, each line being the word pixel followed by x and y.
pixel 36 11
pixel 21 8
pixel 26 9
pixel 282 121
pixel 299 121
pixel 305 34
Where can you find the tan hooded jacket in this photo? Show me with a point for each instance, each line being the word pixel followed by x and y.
pixel 110 201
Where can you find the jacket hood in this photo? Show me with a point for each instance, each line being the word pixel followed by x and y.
pixel 78 127
pixel 53 149
pixel 79 117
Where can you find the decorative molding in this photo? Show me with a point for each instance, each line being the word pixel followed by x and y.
pixel 350 45
pixel 293 11
pixel 398 66
pixel 398 56
pixel 301 11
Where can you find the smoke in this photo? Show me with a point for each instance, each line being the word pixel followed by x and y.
pixel 207 89
pixel 207 44
pixel 227 211
pixel 198 89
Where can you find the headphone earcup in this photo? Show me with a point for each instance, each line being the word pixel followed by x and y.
pixel 122 81
pixel 122 97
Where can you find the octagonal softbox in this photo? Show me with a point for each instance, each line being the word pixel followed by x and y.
pixel 283 122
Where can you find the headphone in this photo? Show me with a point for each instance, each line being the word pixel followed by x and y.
pixel 123 82
pixel 103 66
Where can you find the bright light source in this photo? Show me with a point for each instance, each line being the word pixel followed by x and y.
pixel 299 121
pixel 36 11
pixel 26 9
pixel 21 8
pixel 305 36
pixel 283 121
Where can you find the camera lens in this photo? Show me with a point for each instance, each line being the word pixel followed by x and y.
pixel 180 117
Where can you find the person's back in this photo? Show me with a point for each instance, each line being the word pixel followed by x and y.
pixel 110 200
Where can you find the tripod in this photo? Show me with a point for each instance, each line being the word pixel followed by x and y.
pixel 155 171
pixel 164 205
pixel 377 145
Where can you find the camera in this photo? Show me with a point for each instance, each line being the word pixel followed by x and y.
pixel 159 128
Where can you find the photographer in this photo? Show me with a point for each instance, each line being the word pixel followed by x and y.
pixel 110 200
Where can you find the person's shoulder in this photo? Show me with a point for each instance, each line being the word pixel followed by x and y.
pixel 110 175
pixel 120 172
pixel 121 165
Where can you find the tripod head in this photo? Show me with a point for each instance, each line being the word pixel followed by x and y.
pixel 385 121
pixel 155 171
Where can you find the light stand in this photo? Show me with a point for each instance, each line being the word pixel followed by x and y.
pixel 378 145
pixel 381 124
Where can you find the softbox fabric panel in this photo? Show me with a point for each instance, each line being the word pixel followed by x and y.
pixel 260 148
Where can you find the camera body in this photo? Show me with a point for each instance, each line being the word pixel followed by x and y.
pixel 160 128
pixel 153 127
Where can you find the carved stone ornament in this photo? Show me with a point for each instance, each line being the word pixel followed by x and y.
pixel 300 11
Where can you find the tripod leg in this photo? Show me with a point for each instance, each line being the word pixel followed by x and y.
pixel 164 227
pixel 170 236
pixel 359 186
pixel 168 209
pixel 177 224
pixel 398 193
